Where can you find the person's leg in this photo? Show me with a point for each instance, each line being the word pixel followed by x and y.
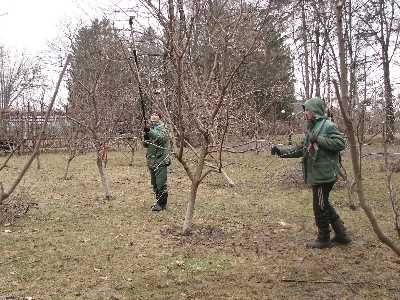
pixel 153 180
pixel 337 224
pixel 328 212
pixel 161 179
pixel 320 192
pixel 154 186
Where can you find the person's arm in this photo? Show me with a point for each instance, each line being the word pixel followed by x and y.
pixel 332 139
pixel 287 151
pixel 158 134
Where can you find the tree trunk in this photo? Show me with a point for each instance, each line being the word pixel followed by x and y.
pixel 187 225
pixel 38 165
pixel 104 179
pixel 306 53
pixel 384 42
pixel 389 110
pixel 68 163
pixel 8 158
pixel 196 180
pixel 228 181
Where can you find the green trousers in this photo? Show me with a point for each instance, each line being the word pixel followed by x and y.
pixel 159 179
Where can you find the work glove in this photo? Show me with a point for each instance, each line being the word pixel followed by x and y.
pixel 275 150
pixel 146 129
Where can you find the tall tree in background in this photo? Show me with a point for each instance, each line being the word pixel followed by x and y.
pixel 381 19
pixel 18 75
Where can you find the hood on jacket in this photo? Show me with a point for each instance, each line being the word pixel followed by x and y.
pixel 316 105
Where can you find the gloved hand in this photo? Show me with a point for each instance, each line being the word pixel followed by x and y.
pixel 275 150
pixel 146 129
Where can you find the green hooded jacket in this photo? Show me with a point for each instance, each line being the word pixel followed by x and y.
pixel 320 159
pixel 157 145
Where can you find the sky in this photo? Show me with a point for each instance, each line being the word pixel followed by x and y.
pixel 29 25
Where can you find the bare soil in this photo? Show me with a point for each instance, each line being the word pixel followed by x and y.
pixel 247 242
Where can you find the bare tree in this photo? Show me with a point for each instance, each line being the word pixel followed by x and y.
pixel 207 46
pixel 18 74
pixel 5 194
pixel 99 89
pixel 342 92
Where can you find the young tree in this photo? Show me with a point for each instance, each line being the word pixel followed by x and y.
pixel 98 87
pixel 342 92
pixel 208 44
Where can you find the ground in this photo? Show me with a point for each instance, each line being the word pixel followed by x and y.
pixel 247 241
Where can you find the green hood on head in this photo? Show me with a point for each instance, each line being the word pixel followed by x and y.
pixel 316 105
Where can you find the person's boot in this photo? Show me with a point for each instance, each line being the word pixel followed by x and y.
pixel 156 205
pixel 341 237
pixel 322 241
pixel 163 200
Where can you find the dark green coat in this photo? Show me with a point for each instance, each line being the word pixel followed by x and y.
pixel 157 144
pixel 320 159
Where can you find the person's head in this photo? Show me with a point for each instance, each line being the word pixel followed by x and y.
pixel 155 117
pixel 308 114
pixel 313 107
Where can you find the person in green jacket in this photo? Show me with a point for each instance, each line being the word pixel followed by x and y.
pixel 321 153
pixel 156 140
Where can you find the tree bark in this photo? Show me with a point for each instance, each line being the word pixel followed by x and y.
pixel 196 180
pixel 384 41
pixel 104 178
pixel 187 225
pixel 68 163
pixel 8 158
pixel 306 53
pixel 389 110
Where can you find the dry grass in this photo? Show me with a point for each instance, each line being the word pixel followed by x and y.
pixel 247 243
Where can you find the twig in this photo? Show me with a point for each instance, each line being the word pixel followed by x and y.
pixel 1 193
pixel 8 158
pixel 380 153
pixel 340 282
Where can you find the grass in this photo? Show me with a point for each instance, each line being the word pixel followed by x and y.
pixel 247 241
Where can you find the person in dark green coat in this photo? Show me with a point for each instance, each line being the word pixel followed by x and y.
pixel 321 152
pixel 156 140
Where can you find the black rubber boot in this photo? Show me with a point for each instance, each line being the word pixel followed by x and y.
pixel 156 205
pixel 322 241
pixel 341 237
pixel 163 200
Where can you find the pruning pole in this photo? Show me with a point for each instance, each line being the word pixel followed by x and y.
pixel 135 71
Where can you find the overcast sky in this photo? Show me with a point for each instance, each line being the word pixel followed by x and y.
pixel 30 24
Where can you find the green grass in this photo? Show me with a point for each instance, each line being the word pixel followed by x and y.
pixel 247 241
